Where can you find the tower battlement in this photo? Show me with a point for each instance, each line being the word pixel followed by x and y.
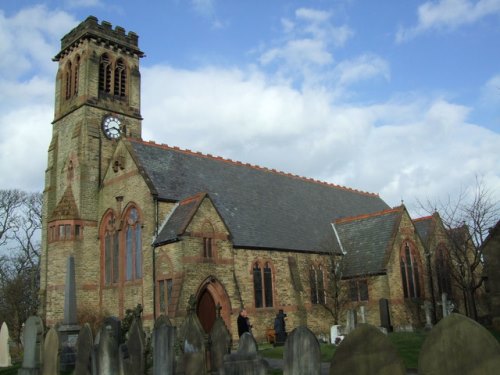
pixel 91 29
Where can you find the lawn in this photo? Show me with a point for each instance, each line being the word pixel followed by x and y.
pixel 408 345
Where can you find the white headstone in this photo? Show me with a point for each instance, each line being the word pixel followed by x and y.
pixel 335 333
pixel 5 360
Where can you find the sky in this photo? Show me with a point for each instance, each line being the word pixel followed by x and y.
pixel 398 98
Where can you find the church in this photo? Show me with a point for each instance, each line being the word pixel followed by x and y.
pixel 156 225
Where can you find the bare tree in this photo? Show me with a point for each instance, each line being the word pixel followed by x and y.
pixel 467 219
pixel 336 292
pixel 20 213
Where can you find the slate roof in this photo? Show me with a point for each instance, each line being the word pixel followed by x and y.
pixel 367 240
pixel 179 219
pixel 262 208
pixel 424 227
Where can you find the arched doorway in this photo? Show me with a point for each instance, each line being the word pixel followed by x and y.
pixel 206 310
pixel 210 294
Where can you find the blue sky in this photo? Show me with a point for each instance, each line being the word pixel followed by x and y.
pixel 401 98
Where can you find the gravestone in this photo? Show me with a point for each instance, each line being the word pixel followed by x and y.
pixel 33 341
pixel 84 349
pixel 428 314
pixel 280 328
pixel 362 314
pixel 335 334
pixel 220 339
pixel 459 345
pixel 69 329
pixel 51 353
pixel 301 354
pixel 164 336
pixel 246 361
pixel 351 320
pixel 5 360
pixel 107 350
pixel 192 342
pixel 385 317
pixel 367 351
pixel 132 353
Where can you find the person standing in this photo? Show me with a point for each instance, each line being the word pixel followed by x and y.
pixel 243 323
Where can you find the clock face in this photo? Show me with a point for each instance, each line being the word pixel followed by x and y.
pixel 112 127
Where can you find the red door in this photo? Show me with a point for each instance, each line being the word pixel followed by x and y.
pixel 206 310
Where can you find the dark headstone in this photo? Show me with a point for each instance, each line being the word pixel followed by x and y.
pixel 132 353
pixel 280 328
pixel 69 330
pixel 84 348
pixel 32 341
pixel 302 353
pixel 385 317
pixel 192 342
pixel 459 345
pixel 366 351
pixel 220 342
pixel 164 335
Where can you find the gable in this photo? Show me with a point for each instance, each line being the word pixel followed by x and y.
pixel 366 241
pixel 261 208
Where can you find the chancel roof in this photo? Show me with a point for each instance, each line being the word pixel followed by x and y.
pixel 424 226
pixel 262 208
pixel 367 240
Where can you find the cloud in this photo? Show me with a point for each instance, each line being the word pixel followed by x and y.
pixel 307 44
pixel 206 9
pixel 361 68
pixel 448 15
pixel 27 38
pixel 404 148
pixel 28 41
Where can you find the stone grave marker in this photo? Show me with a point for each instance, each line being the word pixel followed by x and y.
pixel 301 354
pixel 459 345
pixel 220 342
pixel 132 353
pixel 336 335
pixel 69 329
pixel 84 349
pixel 5 360
pixel 164 336
pixel 192 342
pixel 280 328
pixel 428 314
pixel 107 351
pixel 246 361
pixel 366 351
pixel 385 316
pixel 33 341
pixel 51 353
pixel 362 314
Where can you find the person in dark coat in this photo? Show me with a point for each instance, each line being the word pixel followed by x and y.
pixel 243 323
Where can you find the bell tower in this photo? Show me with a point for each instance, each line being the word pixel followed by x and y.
pixel 97 102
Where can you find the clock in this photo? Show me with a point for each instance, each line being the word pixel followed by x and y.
pixel 112 127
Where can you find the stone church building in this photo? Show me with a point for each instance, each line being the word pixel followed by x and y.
pixel 154 225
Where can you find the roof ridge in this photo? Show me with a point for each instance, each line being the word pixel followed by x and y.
pixel 429 217
pixel 257 167
pixel 368 215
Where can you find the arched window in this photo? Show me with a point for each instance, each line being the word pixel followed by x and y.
pixel 263 285
pixel 133 245
pixel 443 271
pixel 68 76
pixel 105 74
pixel 410 272
pixel 120 78
pixel 76 75
pixel 111 251
pixel 316 280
